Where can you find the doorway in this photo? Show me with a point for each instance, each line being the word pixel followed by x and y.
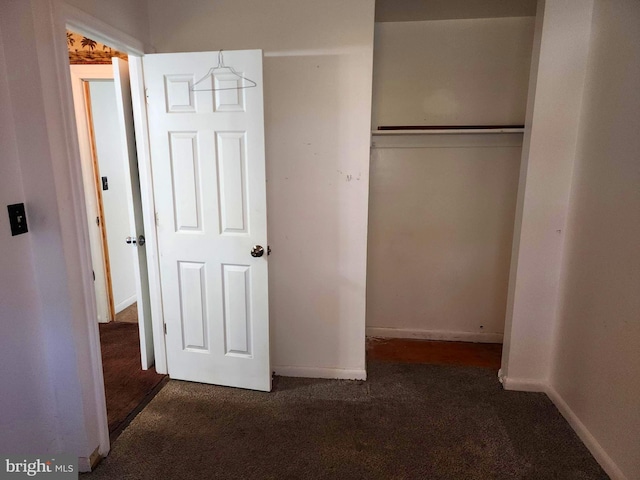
pixel 218 324
pixel 130 380
pixel 105 186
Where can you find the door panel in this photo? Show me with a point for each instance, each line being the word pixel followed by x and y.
pixel 193 307
pixel 208 162
pixel 232 189
pixel 187 204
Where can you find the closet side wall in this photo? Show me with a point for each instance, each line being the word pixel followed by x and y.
pixel 442 206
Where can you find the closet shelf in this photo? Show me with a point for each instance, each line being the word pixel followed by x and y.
pixel 448 130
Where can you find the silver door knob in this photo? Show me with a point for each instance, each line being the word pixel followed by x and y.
pixel 141 240
pixel 257 251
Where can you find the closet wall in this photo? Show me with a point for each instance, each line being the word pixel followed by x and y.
pixel 442 206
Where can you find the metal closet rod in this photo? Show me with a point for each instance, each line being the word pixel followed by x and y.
pixel 446 127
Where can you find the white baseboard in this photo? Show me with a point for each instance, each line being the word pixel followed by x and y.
pixel 523 384
pixel 450 336
pixel 87 464
pixel 125 303
pixel 315 372
pixel 601 456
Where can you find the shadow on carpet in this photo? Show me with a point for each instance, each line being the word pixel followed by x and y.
pixel 404 422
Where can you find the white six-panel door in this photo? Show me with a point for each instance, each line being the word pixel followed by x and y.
pixel 208 162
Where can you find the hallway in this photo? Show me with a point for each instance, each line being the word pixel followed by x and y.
pixel 128 388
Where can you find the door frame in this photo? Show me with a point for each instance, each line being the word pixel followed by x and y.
pixel 65 16
pixel 82 103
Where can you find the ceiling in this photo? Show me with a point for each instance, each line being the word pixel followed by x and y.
pixel 419 10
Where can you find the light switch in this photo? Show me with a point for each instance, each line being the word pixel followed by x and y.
pixel 17 219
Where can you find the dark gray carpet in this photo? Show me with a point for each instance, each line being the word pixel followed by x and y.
pixel 405 422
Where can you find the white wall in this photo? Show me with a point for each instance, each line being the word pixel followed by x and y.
pixel 452 72
pixel 317 74
pixel 553 110
pixel 416 10
pixel 440 231
pixel 596 368
pixel 54 378
pixel 115 200
pixel 128 16
pixel 26 421
pixel 49 263
pixel 442 206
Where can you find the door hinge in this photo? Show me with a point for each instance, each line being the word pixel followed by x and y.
pixel 165 328
pixel 98 221
pixel 146 95
pixel 157 218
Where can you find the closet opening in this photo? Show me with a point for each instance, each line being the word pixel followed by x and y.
pixel 450 82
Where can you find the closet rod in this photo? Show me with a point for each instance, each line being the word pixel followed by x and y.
pixel 448 127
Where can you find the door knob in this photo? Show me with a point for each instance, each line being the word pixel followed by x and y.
pixel 133 240
pixel 257 251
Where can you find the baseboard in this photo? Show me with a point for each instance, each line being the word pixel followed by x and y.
pixel 523 384
pixel 315 372
pixel 601 456
pixel 125 303
pixel 450 336
pixel 87 464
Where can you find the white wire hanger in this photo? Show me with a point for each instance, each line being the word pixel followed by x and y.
pixel 222 66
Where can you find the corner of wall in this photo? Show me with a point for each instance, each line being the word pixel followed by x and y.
pixel 524 162
pixel 557 76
